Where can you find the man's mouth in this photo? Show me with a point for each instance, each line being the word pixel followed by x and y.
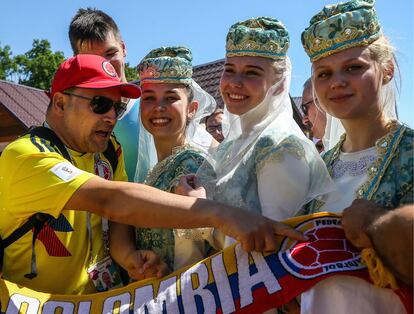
pixel 103 134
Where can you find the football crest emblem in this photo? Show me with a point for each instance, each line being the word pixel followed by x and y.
pixel 109 69
pixel 103 169
pixel 326 251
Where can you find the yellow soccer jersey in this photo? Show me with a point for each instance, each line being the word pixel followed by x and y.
pixel 35 178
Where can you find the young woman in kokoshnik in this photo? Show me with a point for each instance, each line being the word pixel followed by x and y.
pixel 172 105
pixel 265 163
pixel 353 67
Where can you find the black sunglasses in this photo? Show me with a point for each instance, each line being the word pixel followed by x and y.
pixel 102 105
pixel 304 107
pixel 213 128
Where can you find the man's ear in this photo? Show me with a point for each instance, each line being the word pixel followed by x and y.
pixel 388 72
pixel 192 109
pixel 58 103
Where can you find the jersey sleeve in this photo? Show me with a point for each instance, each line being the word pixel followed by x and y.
pixel 37 179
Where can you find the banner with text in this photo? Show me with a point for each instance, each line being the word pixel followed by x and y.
pixel 231 281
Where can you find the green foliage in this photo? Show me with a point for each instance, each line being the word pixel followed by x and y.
pixel 7 64
pixel 130 73
pixel 36 67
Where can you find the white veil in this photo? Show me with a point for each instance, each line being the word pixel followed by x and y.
pixel 147 155
pixel 196 134
pixel 274 114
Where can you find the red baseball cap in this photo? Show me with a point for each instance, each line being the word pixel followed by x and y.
pixel 90 71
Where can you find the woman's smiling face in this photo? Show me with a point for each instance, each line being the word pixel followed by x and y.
pixel 165 109
pixel 245 82
pixel 348 83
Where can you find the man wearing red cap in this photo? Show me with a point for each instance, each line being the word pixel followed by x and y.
pixel 65 252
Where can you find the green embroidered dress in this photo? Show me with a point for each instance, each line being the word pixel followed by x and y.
pixel 387 180
pixel 390 175
pixel 184 160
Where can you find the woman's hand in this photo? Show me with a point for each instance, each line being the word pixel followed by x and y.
pixel 143 264
pixel 188 186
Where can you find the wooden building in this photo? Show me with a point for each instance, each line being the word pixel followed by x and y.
pixel 20 107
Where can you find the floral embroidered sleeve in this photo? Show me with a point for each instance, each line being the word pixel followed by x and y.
pixel 405 189
pixel 187 163
pixel 282 178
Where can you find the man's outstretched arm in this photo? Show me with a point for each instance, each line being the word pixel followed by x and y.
pixel 144 206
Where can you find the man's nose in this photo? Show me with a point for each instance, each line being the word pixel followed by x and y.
pixel 110 116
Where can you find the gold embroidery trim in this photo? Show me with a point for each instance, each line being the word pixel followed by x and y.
pixel 286 147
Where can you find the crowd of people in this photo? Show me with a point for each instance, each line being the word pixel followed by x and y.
pixel 123 182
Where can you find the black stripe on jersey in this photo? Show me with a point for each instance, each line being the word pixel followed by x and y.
pixel 116 140
pixel 43 141
pixel 43 146
pixel 33 140
pixel 55 148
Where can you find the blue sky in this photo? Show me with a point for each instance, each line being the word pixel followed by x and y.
pixel 201 26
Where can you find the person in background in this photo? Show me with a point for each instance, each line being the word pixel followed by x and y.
pixel 313 116
pixel 92 31
pixel 214 124
pixel 353 70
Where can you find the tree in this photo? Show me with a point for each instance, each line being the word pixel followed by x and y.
pixel 7 64
pixel 130 73
pixel 37 66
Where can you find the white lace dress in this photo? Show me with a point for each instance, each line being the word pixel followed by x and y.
pixel 346 294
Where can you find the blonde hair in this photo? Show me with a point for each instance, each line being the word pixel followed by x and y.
pixel 382 52
pixel 279 66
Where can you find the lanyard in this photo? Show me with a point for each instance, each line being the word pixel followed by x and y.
pixel 105 224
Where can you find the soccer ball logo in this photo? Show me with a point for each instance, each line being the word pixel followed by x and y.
pixel 326 251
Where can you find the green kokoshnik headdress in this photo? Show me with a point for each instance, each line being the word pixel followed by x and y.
pixel 341 26
pixel 259 37
pixel 166 65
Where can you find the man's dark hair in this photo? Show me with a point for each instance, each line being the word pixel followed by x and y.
pixel 215 112
pixel 91 25
pixel 307 83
